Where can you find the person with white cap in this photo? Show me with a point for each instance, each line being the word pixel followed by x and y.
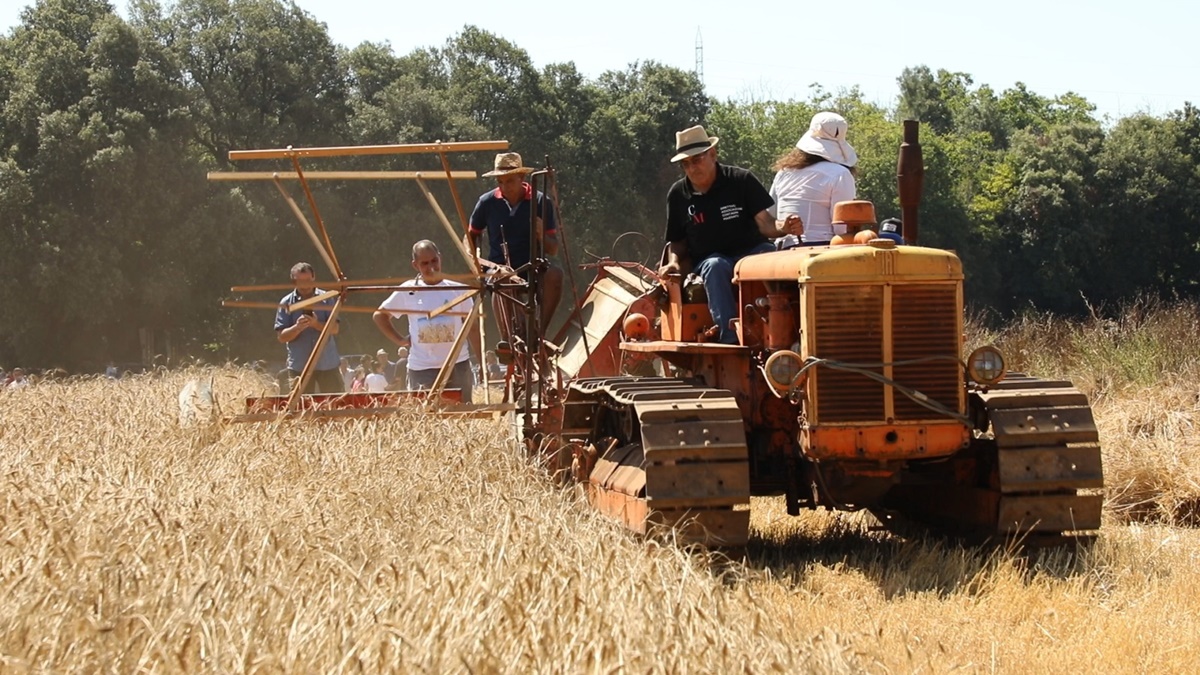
pixel 812 177
pixel 716 215
pixel 503 213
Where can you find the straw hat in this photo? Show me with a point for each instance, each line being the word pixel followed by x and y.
pixel 826 137
pixel 506 163
pixel 692 141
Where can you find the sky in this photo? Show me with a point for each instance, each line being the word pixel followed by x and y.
pixel 1125 57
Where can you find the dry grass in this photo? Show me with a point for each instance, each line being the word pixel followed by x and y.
pixel 1143 344
pixel 128 543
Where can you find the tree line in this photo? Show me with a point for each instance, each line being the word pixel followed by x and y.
pixel 110 235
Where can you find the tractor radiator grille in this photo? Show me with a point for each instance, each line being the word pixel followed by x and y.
pixel 925 324
pixel 848 328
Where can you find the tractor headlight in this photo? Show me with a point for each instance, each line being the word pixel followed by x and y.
pixel 986 365
pixel 782 369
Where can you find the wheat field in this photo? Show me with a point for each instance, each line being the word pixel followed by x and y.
pixel 130 543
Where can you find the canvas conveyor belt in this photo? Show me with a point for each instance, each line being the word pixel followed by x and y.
pixel 1047 453
pixel 669 453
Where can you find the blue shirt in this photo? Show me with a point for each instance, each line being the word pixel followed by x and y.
pixel 504 223
pixel 299 349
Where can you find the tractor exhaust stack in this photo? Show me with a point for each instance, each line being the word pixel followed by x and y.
pixel 910 178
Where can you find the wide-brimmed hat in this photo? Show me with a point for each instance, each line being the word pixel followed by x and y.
pixel 506 163
pixel 692 141
pixel 826 137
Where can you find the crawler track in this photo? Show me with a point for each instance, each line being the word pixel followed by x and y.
pixel 1036 473
pixel 661 452
pixel 1047 452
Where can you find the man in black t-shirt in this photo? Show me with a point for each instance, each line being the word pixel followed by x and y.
pixel 716 215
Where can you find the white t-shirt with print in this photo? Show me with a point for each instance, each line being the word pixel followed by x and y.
pixel 811 193
pixel 431 338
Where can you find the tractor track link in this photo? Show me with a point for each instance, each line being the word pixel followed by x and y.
pixel 1048 470
pixel 1036 477
pixel 656 452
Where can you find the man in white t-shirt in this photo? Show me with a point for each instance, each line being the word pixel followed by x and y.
pixel 430 340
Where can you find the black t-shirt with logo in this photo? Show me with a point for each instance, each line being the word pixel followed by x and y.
pixel 720 220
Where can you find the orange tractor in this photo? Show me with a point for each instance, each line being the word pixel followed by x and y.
pixel 848 389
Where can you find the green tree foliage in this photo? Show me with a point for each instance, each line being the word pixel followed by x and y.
pixel 1147 174
pixel 933 100
pixel 1052 229
pixel 754 134
pixel 107 127
pixel 259 73
pixel 90 134
pixel 637 112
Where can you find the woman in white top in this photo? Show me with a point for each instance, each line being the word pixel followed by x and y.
pixel 376 382
pixel 813 177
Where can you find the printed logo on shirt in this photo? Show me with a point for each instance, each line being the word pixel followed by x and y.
pixel 435 332
pixel 696 214
pixel 731 212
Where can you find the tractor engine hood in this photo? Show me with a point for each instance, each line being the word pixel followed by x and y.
pixel 876 261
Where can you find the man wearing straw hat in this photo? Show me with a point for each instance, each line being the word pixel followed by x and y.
pixel 503 213
pixel 716 215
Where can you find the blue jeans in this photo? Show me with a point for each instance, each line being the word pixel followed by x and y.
pixel 717 273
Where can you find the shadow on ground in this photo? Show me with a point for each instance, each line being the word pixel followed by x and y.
pixel 898 566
